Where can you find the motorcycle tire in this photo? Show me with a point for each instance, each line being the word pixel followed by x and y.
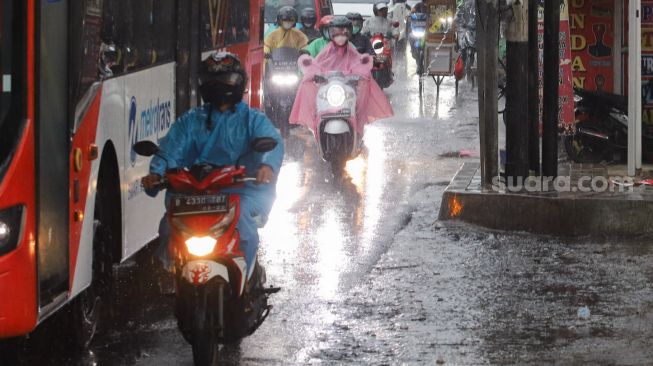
pixel 420 62
pixel 203 338
pixel 580 151
pixel 337 155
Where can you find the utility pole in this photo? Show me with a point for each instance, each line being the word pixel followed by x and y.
pixel 551 79
pixel 487 25
pixel 533 90
pixel 517 92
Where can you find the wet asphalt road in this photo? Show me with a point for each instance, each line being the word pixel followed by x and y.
pixel 369 276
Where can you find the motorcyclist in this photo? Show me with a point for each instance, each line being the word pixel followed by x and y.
pixel 286 35
pixel 308 18
pixel 419 8
pixel 379 23
pixel 398 13
pixel 340 55
pixel 218 133
pixel 318 44
pixel 361 42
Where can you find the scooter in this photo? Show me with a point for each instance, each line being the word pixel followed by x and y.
pixel 217 298
pixel 382 62
pixel 281 83
pixel 418 24
pixel 337 139
pixel 601 128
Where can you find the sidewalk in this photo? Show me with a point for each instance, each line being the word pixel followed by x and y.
pixel 588 201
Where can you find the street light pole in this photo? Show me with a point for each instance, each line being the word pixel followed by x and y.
pixel 551 82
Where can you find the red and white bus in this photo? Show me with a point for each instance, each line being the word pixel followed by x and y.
pixel 82 80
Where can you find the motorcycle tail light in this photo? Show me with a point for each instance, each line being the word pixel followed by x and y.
pixel 11 222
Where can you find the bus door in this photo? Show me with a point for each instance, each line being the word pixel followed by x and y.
pixel 52 148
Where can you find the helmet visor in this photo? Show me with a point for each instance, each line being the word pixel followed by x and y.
pixel 229 78
pixel 339 31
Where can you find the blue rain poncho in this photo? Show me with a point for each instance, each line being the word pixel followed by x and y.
pixel 192 139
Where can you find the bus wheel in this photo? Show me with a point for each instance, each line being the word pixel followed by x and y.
pixel 87 308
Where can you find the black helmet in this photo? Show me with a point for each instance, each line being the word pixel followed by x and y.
pixel 420 8
pixel 341 22
pixel 353 16
pixel 222 79
pixel 379 6
pixel 308 18
pixel 287 13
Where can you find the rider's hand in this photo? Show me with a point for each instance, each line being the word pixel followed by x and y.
pixel 150 181
pixel 264 175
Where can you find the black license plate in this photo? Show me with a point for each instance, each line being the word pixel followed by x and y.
pixel 189 205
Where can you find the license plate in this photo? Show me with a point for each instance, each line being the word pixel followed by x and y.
pixel 189 205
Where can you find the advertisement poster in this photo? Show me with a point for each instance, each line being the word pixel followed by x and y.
pixel 566 120
pixel 592 40
pixel 647 66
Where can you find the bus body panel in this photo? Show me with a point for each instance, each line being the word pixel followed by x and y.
pixel 18 308
pixel 149 113
pixel 83 176
pixel 19 312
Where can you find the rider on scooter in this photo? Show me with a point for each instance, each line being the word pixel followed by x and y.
pixel 218 133
pixel 308 18
pixel 286 35
pixel 361 42
pixel 318 44
pixel 379 23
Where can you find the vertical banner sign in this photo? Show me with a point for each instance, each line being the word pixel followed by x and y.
pixel 647 67
pixel 592 39
pixel 566 121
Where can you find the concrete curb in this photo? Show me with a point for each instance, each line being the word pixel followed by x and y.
pixel 568 215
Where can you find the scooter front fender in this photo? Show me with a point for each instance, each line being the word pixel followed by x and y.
pixel 199 272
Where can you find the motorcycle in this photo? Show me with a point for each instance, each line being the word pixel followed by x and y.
pixel 217 298
pixel 467 49
pixel 281 83
pixel 382 62
pixel 337 139
pixel 418 24
pixel 601 128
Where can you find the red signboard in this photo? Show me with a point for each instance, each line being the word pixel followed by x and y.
pixel 566 122
pixel 592 40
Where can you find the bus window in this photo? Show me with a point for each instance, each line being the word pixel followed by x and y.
pixel 212 24
pixel 238 24
pixel 85 46
pixel 12 58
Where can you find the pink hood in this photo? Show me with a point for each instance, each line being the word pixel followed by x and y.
pixel 372 103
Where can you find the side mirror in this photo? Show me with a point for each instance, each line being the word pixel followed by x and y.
pixel 145 148
pixel 263 144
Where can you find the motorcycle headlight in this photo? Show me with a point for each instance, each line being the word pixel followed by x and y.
pixel 577 98
pixel 418 34
pixel 200 246
pixel 336 95
pixel 11 221
pixel 289 79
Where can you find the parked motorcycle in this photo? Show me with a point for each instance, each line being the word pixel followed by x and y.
pixel 418 24
pixel 601 128
pixel 337 139
pixel 382 63
pixel 281 82
pixel 217 298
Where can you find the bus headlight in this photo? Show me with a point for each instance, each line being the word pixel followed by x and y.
pixel 11 220
pixel 336 95
pixel 200 246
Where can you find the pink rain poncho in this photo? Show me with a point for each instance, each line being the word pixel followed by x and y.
pixel 372 104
